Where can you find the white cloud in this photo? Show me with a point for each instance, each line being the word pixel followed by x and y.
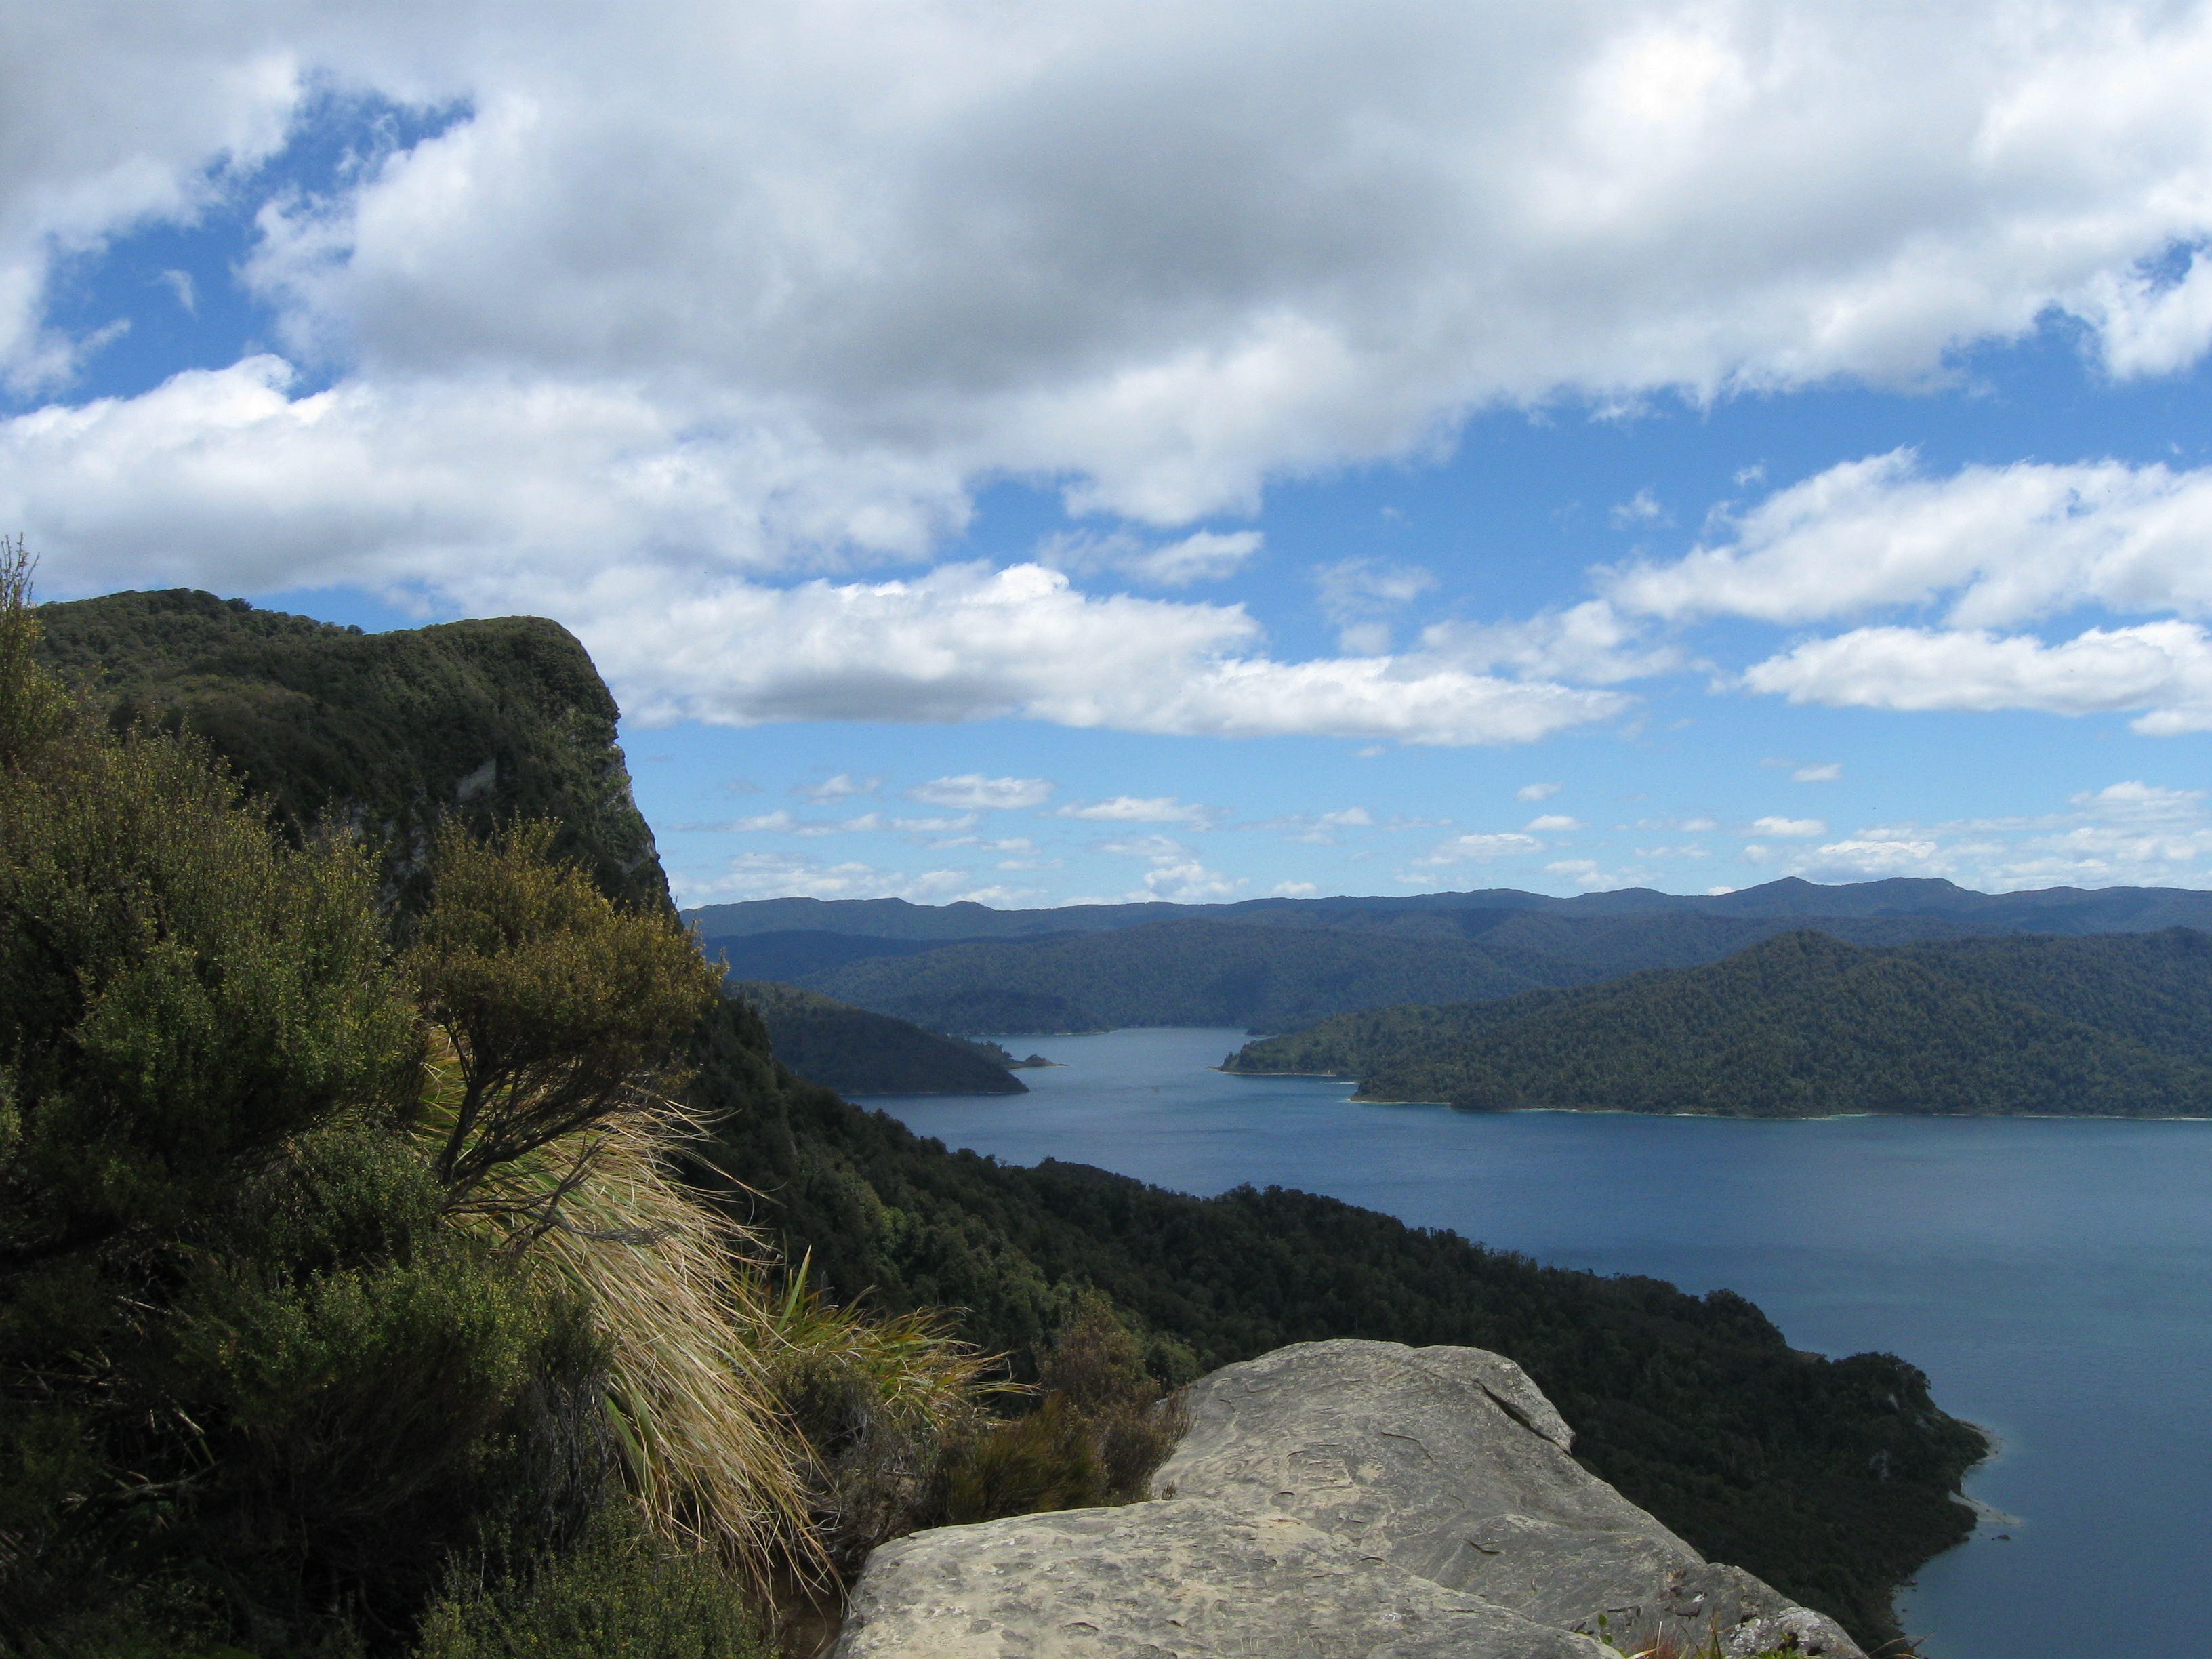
pixel 1294 889
pixel 1775 826
pixel 2164 668
pixel 1360 596
pixel 1131 809
pixel 1827 772
pixel 1479 848
pixel 1642 510
pixel 1995 545
pixel 1590 643
pixel 973 791
pixel 1557 823
pixel 1699 826
pixel 1321 829
pixel 843 786
pixel 1535 792
pixel 690 294
pixel 2129 834
pixel 779 875
pixel 965 642
pixel 1206 556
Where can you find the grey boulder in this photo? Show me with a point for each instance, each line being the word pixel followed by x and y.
pixel 1340 1500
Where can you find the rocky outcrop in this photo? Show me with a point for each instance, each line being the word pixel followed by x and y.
pixel 1335 1499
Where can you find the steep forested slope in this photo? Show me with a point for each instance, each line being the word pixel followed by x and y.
pixel 1802 1025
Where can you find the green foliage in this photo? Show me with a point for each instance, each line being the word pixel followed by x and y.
pixel 859 1053
pixel 1695 1407
pixel 385 733
pixel 560 1008
pixel 619 1594
pixel 1805 1026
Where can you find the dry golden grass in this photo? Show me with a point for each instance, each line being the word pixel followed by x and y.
pixel 707 1355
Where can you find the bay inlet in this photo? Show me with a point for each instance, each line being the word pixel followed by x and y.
pixel 2053 1277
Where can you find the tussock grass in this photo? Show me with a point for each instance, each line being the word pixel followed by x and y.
pixel 754 1419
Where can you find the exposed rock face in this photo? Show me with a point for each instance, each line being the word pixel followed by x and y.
pixel 1335 1499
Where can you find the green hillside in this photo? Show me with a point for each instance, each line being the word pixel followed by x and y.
pixel 859 1053
pixel 1833 1479
pixel 1804 1025
pixel 492 720
pixel 308 1386
pixel 1172 973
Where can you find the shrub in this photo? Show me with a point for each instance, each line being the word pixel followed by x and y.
pixel 620 1594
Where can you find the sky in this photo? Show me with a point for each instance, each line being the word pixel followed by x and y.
pixel 1038 453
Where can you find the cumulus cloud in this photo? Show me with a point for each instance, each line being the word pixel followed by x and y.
pixel 1826 772
pixel 1588 644
pixel 1204 556
pixel 843 786
pixel 687 295
pixel 1996 544
pixel 1555 823
pixel 973 791
pixel 781 875
pixel 1360 596
pixel 2130 832
pixel 1479 849
pixel 1535 792
pixel 2163 668
pixel 1131 809
pixel 966 642
pixel 1777 826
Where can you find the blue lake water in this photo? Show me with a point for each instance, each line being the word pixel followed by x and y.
pixel 2054 1278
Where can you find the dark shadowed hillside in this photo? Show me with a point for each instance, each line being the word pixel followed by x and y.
pixel 491 719
pixel 859 1053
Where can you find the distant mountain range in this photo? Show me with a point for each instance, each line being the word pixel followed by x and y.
pixel 1278 965
pixel 1803 1024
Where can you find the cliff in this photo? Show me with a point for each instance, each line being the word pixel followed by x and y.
pixel 492 720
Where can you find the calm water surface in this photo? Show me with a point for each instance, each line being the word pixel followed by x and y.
pixel 2053 1278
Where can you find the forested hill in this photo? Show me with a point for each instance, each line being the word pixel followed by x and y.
pixel 1805 1026
pixel 491 720
pixel 857 1053
pixel 1833 1479
pixel 1269 977
pixel 1274 965
pixel 1959 909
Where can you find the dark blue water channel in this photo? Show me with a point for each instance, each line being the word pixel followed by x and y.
pixel 2054 1278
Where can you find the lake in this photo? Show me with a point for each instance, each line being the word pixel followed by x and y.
pixel 2054 1278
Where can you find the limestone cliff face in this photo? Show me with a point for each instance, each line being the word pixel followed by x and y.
pixel 1357 1500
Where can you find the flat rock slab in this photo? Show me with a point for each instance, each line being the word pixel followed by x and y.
pixel 1173 1579
pixel 1335 1500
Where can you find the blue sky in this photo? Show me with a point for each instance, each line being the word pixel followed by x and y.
pixel 1039 454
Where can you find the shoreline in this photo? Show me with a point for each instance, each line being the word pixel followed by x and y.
pixel 1357 1099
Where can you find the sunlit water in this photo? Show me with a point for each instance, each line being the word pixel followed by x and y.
pixel 2053 1278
